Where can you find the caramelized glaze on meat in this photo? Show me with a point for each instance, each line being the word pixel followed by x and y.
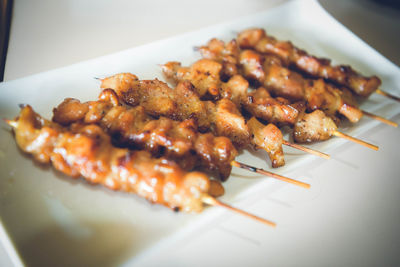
pixel 215 154
pixel 87 151
pixel 226 53
pixel 274 110
pixel 318 94
pixel 133 128
pixel 317 67
pixel 251 65
pixel 205 75
pixel 281 81
pixel 258 104
pixel 222 118
pixel 271 71
pixel 270 137
pixel 230 123
pixel 158 99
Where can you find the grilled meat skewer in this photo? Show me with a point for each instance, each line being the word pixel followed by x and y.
pixel 87 151
pixel 221 118
pixel 289 83
pixel 286 83
pixel 317 67
pixel 206 77
pixel 132 127
pixel 270 72
pixel 319 95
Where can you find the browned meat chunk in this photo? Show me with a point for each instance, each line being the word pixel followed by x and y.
pixel 315 126
pixel 269 138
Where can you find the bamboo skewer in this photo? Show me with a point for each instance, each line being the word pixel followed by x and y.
pixel 396 98
pixel 379 118
pixel 270 174
pixel 355 140
pixel 214 202
pixel 306 149
pixel 205 199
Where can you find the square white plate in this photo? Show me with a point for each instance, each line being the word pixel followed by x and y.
pixel 55 220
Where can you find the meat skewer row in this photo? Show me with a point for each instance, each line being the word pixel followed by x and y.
pixel 221 118
pixel 252 66
pixel 319 94
pixel 317 67
pixel 205 76
pixel 181 103
pixel 132 127
pixel 87 151
pixel 179 141
pixel 310 127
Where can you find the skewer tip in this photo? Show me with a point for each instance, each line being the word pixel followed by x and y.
pixel 355 140
pixel 214 202
pixel 379 118
pixel 270 174
pixel 388 95
pixel 307 150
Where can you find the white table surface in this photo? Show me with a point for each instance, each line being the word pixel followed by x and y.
pixel 47 34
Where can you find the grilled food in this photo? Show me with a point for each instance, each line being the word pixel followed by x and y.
pixel 271 72
pixel 221 118
pixel 132 127
pixel 205 75
pixel 343 75
pixel 86 150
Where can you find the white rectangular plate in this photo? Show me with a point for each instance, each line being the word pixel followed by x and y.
pixel 53 219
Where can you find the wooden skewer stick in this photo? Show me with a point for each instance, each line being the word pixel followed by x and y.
pixel 355 140
pixel 379 91
pixel 379 118
pixel 214 202
pixel 270 174
pixel 307 150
